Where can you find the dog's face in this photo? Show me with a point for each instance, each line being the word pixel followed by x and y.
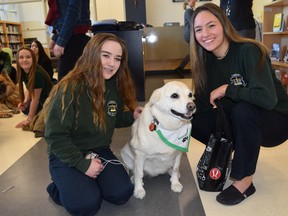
pixel 174 99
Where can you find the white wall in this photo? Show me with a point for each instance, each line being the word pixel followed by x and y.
pixel 258 8
pixel 109 9
pixel 32 15
pixel 160 11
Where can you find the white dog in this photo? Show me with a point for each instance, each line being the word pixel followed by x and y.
pixel 159 136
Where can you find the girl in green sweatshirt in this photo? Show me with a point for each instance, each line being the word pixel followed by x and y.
pixel 239 72
pixel 82 111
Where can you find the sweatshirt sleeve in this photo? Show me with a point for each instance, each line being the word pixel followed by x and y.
pixel 58 135
pixel 259 89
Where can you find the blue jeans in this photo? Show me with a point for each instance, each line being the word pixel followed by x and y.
pixel 81 195
pixel 252 127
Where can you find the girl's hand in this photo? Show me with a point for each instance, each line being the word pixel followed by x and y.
pixel 22 106
pixel 22 123
pixel 218 93
pixel 137 112
pixel 95 168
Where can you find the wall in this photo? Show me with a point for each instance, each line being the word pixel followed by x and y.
pixel 160 11
pixel 109 9
pixel 258 8
pixel 33 21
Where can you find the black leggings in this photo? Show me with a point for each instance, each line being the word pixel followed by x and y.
pixel 252 127
pixel 72 52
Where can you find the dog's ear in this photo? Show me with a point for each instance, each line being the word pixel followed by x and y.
pixel 156 95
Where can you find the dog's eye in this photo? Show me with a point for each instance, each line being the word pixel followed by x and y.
pixel 190 95
pixel 175 95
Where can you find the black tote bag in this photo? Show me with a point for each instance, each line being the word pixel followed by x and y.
pixel 215 163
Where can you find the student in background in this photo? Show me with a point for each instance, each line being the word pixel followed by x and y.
pixel 6 65
pixel 188 6
pixel 241 16
pixel 71 21
pixel 238 71
pixel 42 58
pixel 82 112
pixel 37 82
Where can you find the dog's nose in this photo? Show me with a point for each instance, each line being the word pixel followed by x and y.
pixel 191 106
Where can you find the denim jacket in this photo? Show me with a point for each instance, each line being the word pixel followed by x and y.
pixel 72 13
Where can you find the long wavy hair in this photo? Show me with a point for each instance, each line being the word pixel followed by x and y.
pixel 88 69
pixel 198 53
pixel 42 56
pixel 31 74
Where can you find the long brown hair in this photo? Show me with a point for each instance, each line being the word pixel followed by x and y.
pixel 198 53
pixel 88 69
pixel 31 74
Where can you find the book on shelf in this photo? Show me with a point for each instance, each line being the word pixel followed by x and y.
pixel 285 58
pixel 278 22
pixel 275 53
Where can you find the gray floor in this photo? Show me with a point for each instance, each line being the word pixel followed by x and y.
pixel 29 177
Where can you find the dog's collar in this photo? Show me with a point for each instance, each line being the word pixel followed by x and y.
pixel 153 124
pixel 178 140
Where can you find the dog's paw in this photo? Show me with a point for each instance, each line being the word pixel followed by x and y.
pixel 177 187
pixel 6 115
pixel 140 193
pixel 16 111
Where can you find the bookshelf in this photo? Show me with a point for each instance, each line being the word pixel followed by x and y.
pixel 270 37
pixel 11 35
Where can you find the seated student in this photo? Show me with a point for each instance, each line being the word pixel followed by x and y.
pixel 42 58
pixel 6 63
pixel 239 71
pixel 82 111
pixel 37 82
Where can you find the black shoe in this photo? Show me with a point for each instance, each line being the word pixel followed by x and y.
pixel 232 196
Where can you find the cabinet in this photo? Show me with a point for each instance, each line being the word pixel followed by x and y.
pixel 270 37
pixel 11 35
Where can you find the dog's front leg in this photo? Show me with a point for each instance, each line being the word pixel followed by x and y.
pixel 139 191
pixel 176 186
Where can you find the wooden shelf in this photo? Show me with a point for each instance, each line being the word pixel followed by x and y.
pixel 11 35
pixel 278 3
pixel 270 37
pixel 276 33
pixel 280 64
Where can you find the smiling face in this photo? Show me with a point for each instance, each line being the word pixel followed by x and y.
pixel 111 54
pixel 25 60
pixel 209 33
pixel 174 99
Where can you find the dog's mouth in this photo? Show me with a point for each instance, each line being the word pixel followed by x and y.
pixel 187 116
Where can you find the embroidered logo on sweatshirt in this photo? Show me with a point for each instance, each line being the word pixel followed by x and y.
pixel 112 108
pixel 237 80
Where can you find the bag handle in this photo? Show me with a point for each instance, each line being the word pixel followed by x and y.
pixel 222 123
